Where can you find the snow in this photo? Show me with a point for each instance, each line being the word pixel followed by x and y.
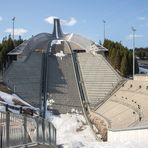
pixel 141 69
pixel 70 128
pixel 6 97
pixel 69 37
pixel 9 99
pixel 60 54
pixel 50 102
pixel 73 132
pixel 56 42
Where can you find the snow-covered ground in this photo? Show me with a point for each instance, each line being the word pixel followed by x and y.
pixel 141 69
pixel 56 42
pixel 73 132
pixel 12 100
pixel 60 54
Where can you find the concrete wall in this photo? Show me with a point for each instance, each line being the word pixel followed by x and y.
pixel 137 135
pixel 141 77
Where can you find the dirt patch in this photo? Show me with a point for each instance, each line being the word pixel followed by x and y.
pixel 18 102
pixel 4 88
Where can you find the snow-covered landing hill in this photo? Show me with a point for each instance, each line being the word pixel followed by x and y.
pixel 73 132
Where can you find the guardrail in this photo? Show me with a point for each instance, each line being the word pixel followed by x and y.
pixel 24 130
pixel 81 85
pixel 44 79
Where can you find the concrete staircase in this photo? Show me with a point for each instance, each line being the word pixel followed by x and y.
pixel 99 77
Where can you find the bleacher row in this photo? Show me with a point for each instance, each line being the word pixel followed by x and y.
pixel 24 78
pixel 98 77
pixel 128 106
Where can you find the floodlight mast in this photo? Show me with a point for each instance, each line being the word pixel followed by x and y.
pixel 134 30
pixel 13 21
pixel 104 28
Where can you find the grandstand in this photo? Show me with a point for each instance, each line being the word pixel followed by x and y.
pixel 99 78
pixel 127 107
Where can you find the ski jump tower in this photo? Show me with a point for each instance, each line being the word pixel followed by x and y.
pixel 57 31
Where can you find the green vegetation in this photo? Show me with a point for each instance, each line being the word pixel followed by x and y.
pixel 142 53
pixel 120 58
pixel 6 46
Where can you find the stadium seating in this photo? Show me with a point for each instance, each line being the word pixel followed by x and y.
pixel 128 106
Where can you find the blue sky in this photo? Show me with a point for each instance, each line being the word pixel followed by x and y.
pixel 80 16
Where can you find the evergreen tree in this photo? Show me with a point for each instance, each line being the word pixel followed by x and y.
pixel 112 57
pixel 130 63
pixel 124 65
pixel 6 46
pixel 19 41
pixel 10 44
pixel 117 60
pixel 136 67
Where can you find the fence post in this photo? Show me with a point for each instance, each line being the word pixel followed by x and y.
pixel 55 136
pixel 49 134
pixel 37 130
pixel 1 140
pixel 25 130
pixel 7 128
pixel 43 128
pixel 21 110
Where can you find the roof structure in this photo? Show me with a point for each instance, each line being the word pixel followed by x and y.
pixel 41 41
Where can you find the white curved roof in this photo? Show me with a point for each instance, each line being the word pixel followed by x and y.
pixel 38 41
pixel 84 43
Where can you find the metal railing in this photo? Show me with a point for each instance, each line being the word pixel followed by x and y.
pixel 113 91
pixel 24 130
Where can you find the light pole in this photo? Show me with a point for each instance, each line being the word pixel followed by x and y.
pixel 134 30
pixel 104 28
pixel 13 20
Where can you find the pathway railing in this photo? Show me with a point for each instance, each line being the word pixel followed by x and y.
pixel 23 129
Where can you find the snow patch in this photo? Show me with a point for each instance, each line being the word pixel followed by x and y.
pixel 73 132
pixel 71 129
pixel 60 54
pixel 141 69
pixel 69 37
pixel 7 98
pixel 56 42
pixel 13 100
pixel 50 102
